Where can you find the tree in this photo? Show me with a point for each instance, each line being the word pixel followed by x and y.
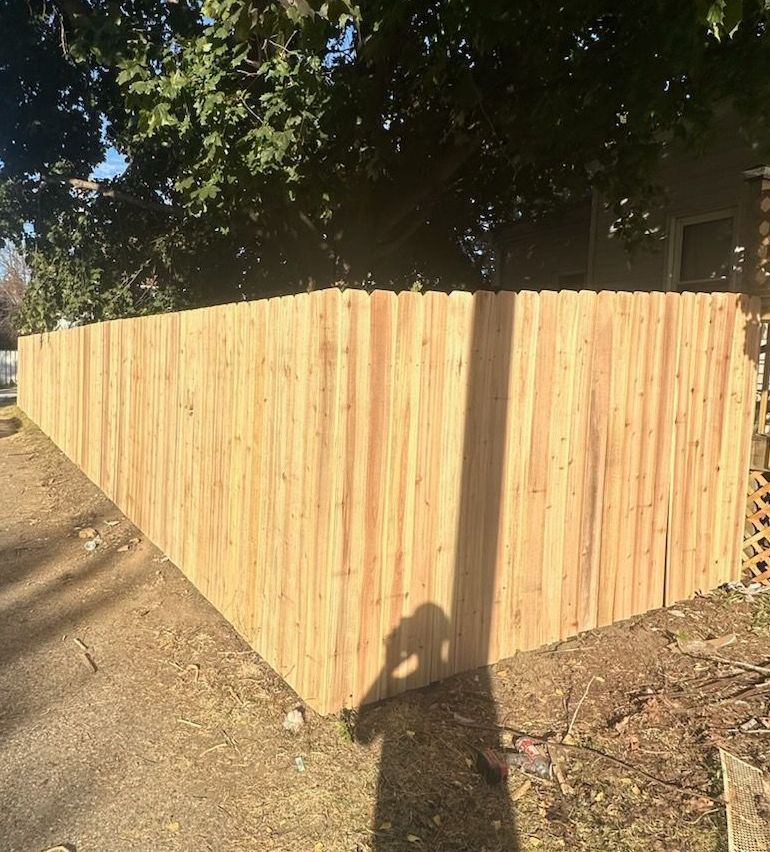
pixel 278 145
pixel 14 276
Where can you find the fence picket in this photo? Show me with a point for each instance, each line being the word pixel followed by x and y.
pixel 463 475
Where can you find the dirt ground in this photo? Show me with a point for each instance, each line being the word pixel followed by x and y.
pixel 132 717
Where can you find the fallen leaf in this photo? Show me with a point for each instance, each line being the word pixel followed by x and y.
pixel 319 847
pixel 132 542
pixel 700 805
pixel 521 791
pixel 704 646
pixel 385 826
pixel 87 532
pixel 622 724
pixel 172 826
pixel 437 819
pixel 677 613
pixel 652 710
pixel 413 838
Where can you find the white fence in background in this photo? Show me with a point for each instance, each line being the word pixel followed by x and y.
pixel 8 362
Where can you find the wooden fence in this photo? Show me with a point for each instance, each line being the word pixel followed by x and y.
pixel 380 490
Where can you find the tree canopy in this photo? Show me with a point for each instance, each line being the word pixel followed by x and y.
pixel 13 283
pixel 280 145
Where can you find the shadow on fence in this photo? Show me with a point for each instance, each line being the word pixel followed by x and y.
pixel 422 770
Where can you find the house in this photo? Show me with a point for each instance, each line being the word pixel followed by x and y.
pixel 713 230
pixel 713 233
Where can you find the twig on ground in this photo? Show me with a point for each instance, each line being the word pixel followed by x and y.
pixel 750 667
pixel 558 773
pixel 577 709
pixel 231 741
pixel 168 662
pixel 235 696
pixel 699 686
pixel 739 664
pixel 86 654
pixel 678 788
pixel 572 650
pixel 752 689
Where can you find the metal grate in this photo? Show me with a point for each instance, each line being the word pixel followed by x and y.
pixel 748 829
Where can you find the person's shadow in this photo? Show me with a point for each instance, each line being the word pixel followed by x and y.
pixel 429 793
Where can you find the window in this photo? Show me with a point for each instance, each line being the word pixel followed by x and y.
pixel 702 252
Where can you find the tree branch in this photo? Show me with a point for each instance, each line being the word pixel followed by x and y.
pixel 108 191
pixel 409 226
pixel 439 173
pixel 72 8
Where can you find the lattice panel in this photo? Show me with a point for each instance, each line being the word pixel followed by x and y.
pixel 756 542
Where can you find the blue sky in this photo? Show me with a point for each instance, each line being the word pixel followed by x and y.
pixel 114 164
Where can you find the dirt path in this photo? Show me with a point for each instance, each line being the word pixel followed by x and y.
pixel 175 742
pixel 103 760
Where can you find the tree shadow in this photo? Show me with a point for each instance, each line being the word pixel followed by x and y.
pixel 427 791
pixel 9 426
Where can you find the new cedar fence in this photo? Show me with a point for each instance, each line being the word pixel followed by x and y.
pixel 380 490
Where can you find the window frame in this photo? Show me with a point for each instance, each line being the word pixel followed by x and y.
pixel 678 224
